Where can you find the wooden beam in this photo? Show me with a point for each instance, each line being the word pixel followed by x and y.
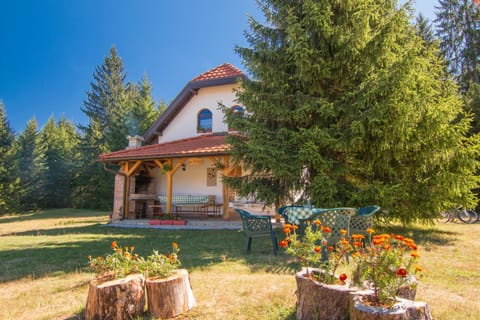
pixel 135 166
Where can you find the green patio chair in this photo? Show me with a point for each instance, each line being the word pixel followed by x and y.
pixel 255 226
pixel 362 220
pixel 336 219
pixel 283 211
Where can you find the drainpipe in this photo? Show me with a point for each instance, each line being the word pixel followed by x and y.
pixel 124 187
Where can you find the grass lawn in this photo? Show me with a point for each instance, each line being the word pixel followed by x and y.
pixel 43 255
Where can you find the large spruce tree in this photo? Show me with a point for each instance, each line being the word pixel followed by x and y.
pixel 349 107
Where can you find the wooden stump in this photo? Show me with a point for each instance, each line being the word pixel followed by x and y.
pixel 404 309
pixel 116 299
pixel 316 300
pixel 169 297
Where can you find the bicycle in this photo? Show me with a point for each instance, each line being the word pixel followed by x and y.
pixel 465 215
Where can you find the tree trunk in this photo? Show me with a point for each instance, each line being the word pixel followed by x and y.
pixel 403 310
pixel 116 299
pixel 169 297
pixel 316 300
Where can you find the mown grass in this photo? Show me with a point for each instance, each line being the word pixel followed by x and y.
pixel 43 257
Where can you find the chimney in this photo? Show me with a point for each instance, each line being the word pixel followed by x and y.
pixel 134 141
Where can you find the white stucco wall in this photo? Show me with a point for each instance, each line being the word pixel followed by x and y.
pixel 184 125
pixel 192 181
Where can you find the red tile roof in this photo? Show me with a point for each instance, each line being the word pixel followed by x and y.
pixel 223 71
pixel 211 144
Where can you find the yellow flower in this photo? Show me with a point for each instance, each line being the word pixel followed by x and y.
pixel 370 230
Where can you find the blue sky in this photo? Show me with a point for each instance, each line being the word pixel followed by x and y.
pixel 49 49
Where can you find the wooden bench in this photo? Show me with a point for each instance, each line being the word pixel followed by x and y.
pixel 180 203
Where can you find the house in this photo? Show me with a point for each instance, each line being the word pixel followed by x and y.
pixel 184 156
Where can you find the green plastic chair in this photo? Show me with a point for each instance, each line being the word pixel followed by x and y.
pixel 255 226
pixel 360 222
pixel 336 219
pixel 283 211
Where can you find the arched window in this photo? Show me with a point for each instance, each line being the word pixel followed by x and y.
pixel 204 123
pixel 237 111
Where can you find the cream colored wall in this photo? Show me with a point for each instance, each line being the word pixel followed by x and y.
pixel 184 125
pixel 192 181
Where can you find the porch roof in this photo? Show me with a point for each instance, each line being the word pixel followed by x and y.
pixel 204 145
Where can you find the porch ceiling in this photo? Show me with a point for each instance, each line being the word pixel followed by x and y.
pixel 204 145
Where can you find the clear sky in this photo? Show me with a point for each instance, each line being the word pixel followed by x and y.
pixel 49 49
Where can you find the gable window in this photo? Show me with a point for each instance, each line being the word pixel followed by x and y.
pixel 237 111
pixel 204 123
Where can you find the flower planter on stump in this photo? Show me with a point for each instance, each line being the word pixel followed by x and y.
pixel 116 299
pixel 316 300
pixel 404 309
pixel 169 297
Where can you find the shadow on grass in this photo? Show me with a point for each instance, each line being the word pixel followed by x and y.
pixel 52 213
pixel 423 235
pixel 65 249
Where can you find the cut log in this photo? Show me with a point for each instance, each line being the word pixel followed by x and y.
pixel 116 299
pixel 169 297
pixel 404 309
pixel 316 300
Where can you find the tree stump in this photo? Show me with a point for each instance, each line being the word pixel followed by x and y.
pixel 116 299
pixel 316 300
pixel 169 297
pixel 404 309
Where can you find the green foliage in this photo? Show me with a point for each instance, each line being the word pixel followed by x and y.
pixel 9 183
pixel 31 167
pixel 458 27
pixel 349 106
pixel 115 110
pixel 60 141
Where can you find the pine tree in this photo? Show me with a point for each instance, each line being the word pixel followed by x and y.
pixel 9 183
pixel 60 142
pixel 107 106
pixel 144 112
pixel 346 108
pixel 31 167
pixel 458 27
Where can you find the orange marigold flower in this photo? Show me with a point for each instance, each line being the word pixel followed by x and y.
pixel 344 242
pixel 317 249
pixel 330 248
pixel 317 222
pixel 286 230
pixel 387 247
pixel 132 248
pixel 343 232
pixel 89 257
pixel 294 227
pixel 114 244
pixel 370 230
pixel 398 237
pixel 418 269
pixel 283 243
pixel 174 245
pixel 326 229
pixel 99 258
pixel 377 242
pixel 343 277
pixel 357 244
pixel 402 272
pixel 415 254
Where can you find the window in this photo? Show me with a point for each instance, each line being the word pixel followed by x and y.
pixel 204 123
pixel 237 112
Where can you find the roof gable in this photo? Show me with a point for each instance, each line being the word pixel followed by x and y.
pixel 221 75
